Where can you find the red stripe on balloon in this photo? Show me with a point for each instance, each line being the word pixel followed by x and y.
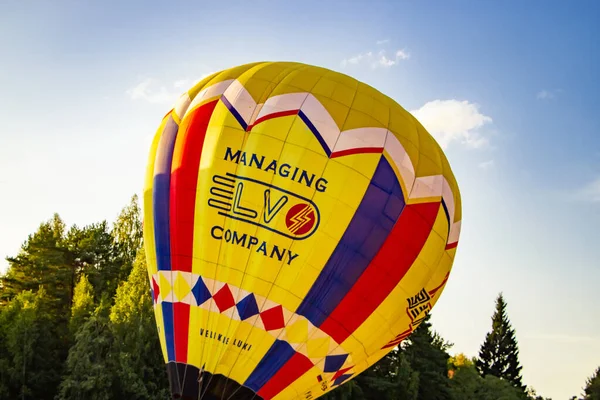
pixel 184 178
pixel 297 366
pixel 389 266
pixel 451 245
pixel 358 150
pixel 271 116
pixel 181 316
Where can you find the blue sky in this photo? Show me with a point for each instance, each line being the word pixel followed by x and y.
pixel 510 89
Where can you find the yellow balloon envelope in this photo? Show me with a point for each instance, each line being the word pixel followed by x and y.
pixel 298 225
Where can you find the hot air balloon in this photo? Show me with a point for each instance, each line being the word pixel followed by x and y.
pixel 298 225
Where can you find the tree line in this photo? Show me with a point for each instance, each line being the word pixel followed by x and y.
pixel 76 322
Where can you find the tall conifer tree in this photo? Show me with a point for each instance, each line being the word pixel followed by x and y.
pixel 499 353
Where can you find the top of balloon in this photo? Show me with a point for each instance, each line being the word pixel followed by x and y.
pixel 340 104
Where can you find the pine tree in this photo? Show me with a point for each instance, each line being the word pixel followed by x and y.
pixel 499 354
pixel 42 261
pixel 592 387
pixel 427 354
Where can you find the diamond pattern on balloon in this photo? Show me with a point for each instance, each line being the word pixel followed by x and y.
pixel 273 318
pixel 155 290
pixel 224 299
pixel 297 332
pixel 181 287
pixel 334 363
pixel 247 307
pixel 165 285
pixel 200 292
pixel 305 338
pixel 318 347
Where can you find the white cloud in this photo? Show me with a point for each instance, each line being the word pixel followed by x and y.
pixel 379 59
pixel 152 91
pixel 590 192
pixel 186 84
pixel 183 83
pixel 486 164
pixel 453 120
pixel 356 59
pixel 547 94
pixel 402 55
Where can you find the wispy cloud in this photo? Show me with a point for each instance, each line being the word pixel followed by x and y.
pixel 183 83
pixel 155 92
pixel 380 59
pixel 152 91
pixel 547 94
pixel 453 120
pixel 188 83
pixel 589 192
pixel 486 164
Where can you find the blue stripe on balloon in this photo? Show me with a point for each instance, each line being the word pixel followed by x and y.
pixel 235 112
pixel 160 205
pixel 315 132
pixel 161 194
pixel 168 324
pixel 275 358
pixel 374 219
pixel 445 207
pixel 367 231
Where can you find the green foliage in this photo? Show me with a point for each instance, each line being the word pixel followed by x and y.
pixel 499 353
pixel 389 379
pixel 467 384
pixel 426 353
pixel 117 352
pixel 140 365
pixel 83 303
pixel 532 395
pixel 91 253
pixel 127 236
pixel 592 387
pixel 349 391
pixel 42 262
pixel 494 388
pixel 91 362
pixel 31 348
pixel 460 360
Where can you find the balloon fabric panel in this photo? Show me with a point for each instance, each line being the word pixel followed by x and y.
pixel 298 225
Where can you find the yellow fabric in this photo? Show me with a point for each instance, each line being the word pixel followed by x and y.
pixel 238 200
